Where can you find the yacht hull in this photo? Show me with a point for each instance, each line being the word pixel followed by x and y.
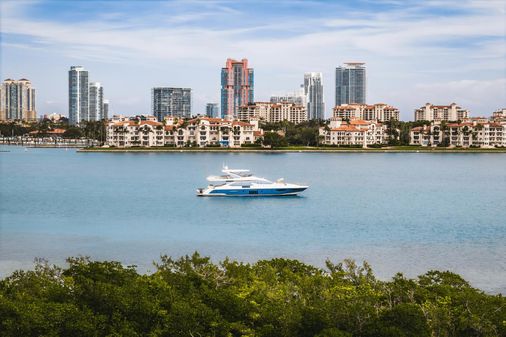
pixel 255 192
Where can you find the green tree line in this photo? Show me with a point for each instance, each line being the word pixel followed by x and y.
pixel 91 130
pixel 302 134
pixel 192 296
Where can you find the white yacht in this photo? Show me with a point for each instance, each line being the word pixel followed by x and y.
pixel 242 183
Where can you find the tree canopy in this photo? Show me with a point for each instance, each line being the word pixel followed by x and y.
pixel 192 296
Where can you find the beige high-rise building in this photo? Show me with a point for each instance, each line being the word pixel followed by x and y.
pixel 273 112
pixel 17 100
pixel 438 113
pixel 376 112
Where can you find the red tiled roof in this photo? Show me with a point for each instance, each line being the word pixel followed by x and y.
pixel 153 123
pixel 239 123
pixel 348 129
pixel 359 122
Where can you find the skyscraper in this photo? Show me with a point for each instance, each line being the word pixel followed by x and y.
pixel 17 100
pixel 174 102
pixel 106 109
pixel 96 102
pixel 78 95
pixel 212 110
pixel 313 89
pixel 350 83
pixel 237 87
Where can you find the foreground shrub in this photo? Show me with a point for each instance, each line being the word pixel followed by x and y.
pixel 192 296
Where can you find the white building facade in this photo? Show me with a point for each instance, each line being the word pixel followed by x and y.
pixel 354 133
pixel 467 134
pixel 313 90
pixel 377 112
pixel 146 131
pixel 96 102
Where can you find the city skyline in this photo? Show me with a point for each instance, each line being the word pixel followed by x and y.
pixel 425 55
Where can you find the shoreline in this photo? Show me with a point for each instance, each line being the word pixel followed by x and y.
pixel 294 150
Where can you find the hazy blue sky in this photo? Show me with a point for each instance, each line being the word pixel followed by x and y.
pixel 415 51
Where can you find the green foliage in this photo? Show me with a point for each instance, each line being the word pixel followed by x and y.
pixel 94 130
pixel 73 133
pixel 273 139
pixel 398 131
pixel 13 129
pixel 192 296
pixel 304 134
pixel 91 130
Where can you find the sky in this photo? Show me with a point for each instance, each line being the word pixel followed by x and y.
pixel 415 51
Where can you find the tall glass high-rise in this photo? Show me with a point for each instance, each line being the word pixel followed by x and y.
pixel 313 89
pixel 174 102
pixel 78 95
pixel 350 83
pixel 96 102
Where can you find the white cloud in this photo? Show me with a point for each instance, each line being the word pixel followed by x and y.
pixel 403 48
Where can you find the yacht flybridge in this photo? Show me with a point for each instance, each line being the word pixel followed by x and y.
pixel 242 183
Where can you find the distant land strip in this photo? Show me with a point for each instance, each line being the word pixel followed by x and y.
pixel 296 149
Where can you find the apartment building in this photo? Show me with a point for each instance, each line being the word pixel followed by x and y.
pixel 350 83
pixel 438 113
pixel 353 133
pixel 17 100
pixel 499 115
pixel 174 102
pixel 273 112
pixel 465 134
pixel 146 131
pixel 377 112
pixel 237 87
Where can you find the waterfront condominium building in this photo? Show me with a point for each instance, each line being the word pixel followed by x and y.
pixel 78 95
pixel 355 132
pixel 313 90
pixel 273 112
pixel 203 131
pixel 175 102
pixel 212 110
pixel 237 87
pixel 376 112
pixel 17 100
pixel 96 102
pixel 431 112
pixel 350 83
pixel 472 133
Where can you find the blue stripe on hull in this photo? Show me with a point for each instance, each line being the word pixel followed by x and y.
pixel 257 192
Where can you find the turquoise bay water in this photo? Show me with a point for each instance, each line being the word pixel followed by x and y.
pixel 407 212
